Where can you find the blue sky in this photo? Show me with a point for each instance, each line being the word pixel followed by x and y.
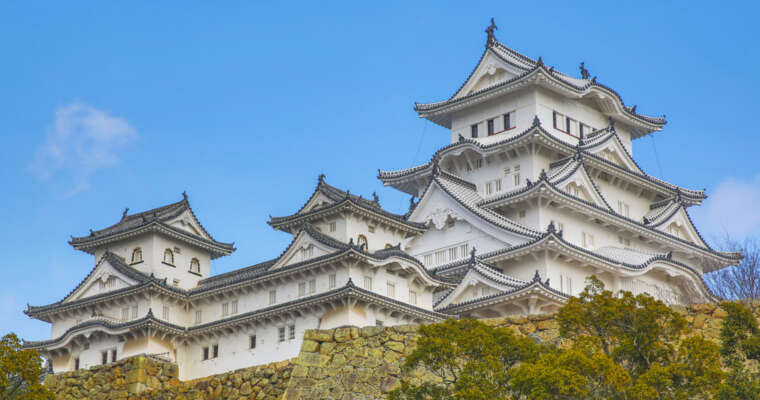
pixel 107 105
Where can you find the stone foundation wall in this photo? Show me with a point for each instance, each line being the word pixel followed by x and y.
pixel 365 363
pixel 342 363
pixel 147 378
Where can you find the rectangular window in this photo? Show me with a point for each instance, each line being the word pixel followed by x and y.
pixel 427 259
pixel 204 353
pixel 585 129
pixel 104 357
pixel 479 163
pixel 491 129
pixel 302 289
pixel 216 351
pixel 623 208
pixel 198 316
pixel 272 296
pixel 291 332
pixel 560 122
pixel 331 281
pixel 587 239
pixel 569 285
pixel 125 313
pixel 463 250
pixel 225 309
pixel 453 253
pixel 509 121
pixel 312 286
pixel 368 282
pixel 521 214
pixel 281 334
pixel 474 131
pixel 489 188
pixel 391 289
pixel 252 341
pixel 166 313
pixel 76 363
pixel 134 311
pixel 234 306
pixel 413 297
pixel 572 126
pixel 516 179
pixel 113 355
pixel 440 257
pixel 332 226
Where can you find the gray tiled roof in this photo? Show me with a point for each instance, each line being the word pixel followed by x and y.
pixel 157 217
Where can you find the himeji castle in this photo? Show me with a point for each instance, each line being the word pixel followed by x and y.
pixel 536 191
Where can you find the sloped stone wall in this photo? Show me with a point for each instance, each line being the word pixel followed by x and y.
pixel 146 378
pixel 365 363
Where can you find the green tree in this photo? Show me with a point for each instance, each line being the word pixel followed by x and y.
pixel 469 360
pixel 20 372
pixel 740 347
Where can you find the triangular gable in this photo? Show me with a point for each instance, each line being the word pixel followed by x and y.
pixel 305 246
pixel 105 277
pixel 475 284
pixel 491 70
pixel 679 224
pixel 613 150
pixel 576 182
pixel 317 200
pixel 188 223
pixel 436 207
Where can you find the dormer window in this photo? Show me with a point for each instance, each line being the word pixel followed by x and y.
pixel 362 241
pixel 195 266
pixel 169 257
pixel 137 255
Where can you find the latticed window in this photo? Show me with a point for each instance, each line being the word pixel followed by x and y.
pixel 195 266
pixel 137 255
pixel 331 281
pixel 169 256
pixel 292 332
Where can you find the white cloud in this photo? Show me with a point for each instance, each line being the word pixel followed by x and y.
pixel 80 141
pixel 733 209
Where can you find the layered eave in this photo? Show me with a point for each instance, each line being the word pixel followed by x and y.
pixel 341 202
pixel 530 72
pixel 422 174
pixel 154 220
pixel 341 295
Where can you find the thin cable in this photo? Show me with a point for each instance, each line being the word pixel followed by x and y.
pixel 416 153
pixel 657 158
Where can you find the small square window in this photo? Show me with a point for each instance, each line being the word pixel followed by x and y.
pixel 113 355
pixel 281 334
pixel 216 350
pixel 474 130
pixel 104 357
pixel 312 286
pixel 204 353
pixel 331 281
pixel 413 297
pixel 233 307
pixel 225 309
pixel 291 332
pixel 272 296
pixel 391 289
pixel 368 282
pixel 198 316
pixel 134 312
pixel 332 226
pixel 252 341
pixel 302 289
pixel 490 126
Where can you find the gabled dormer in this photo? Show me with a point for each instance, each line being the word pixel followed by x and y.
pixel 348 218
pixel 168 242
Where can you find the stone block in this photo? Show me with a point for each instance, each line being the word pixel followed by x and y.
pixel 318 335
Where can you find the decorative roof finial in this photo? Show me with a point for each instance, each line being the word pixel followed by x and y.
pixel 472 255
pixel 351 242
pixel 184 195
pixel 350 282
pixel 551 69
pixel 536 121
pixel 612 123
pixel 633 109
pixel 375 197
pixel 91 232
pixel 551 228
pixel 321 178
pixel 546 282
pixel 461 138
pixel 537 277
pixel 540 61
pixel 584 71
pixel 124 214
pixel 542 175
pixel 593 80
pixel 491 28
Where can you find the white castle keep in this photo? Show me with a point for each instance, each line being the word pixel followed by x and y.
pixel 536 191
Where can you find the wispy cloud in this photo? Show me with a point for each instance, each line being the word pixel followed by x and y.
pixel 80 141
pixel 733 209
